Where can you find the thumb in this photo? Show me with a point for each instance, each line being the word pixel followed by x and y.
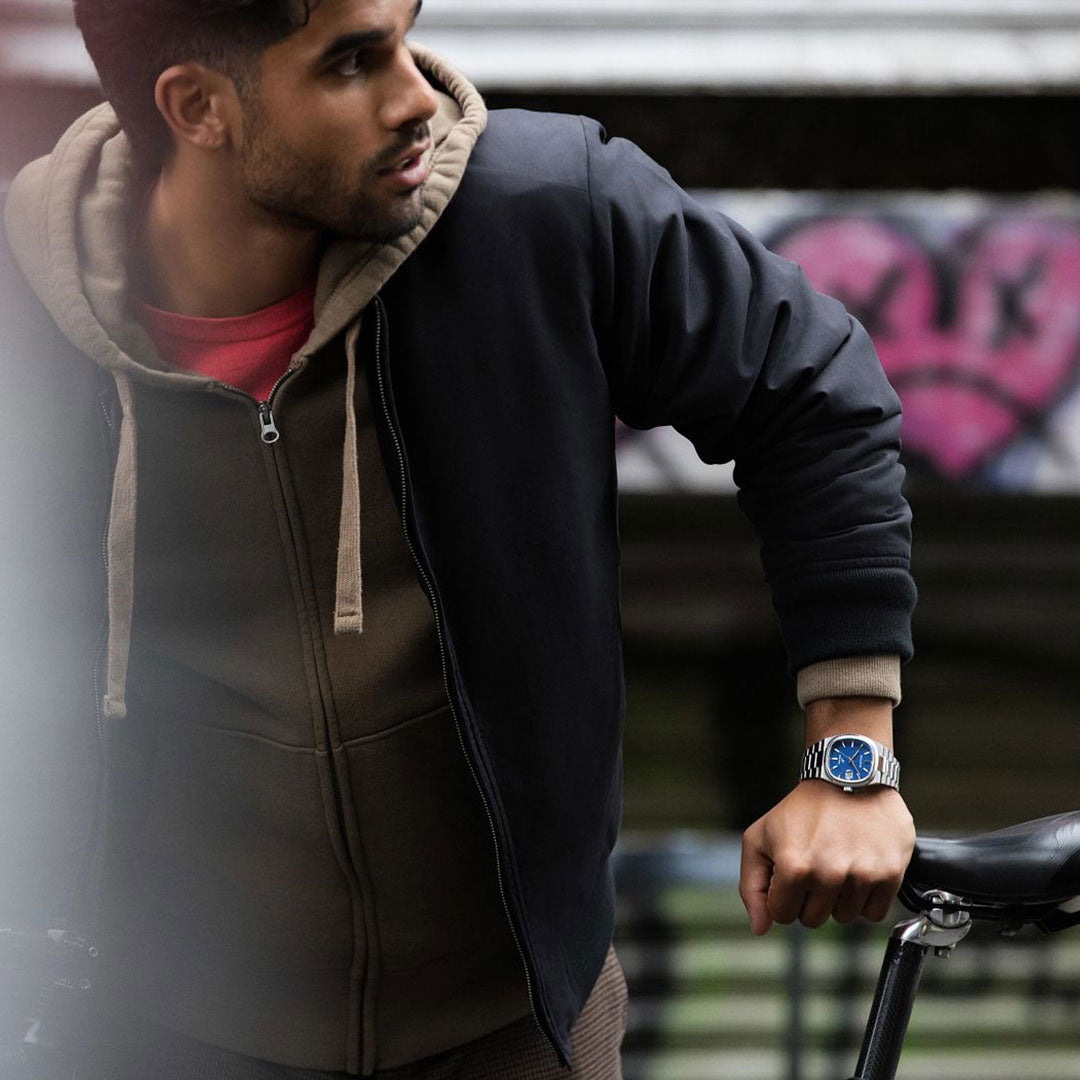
pixel 754 878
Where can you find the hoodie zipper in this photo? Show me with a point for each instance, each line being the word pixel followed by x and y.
pixel 268 428
pixel 428 584
pixel 270 434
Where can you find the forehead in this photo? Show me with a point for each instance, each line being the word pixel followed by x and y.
pixel 332 18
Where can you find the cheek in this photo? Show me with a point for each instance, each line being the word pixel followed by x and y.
pixel 340 146
pixel 344 118
pixel 332 129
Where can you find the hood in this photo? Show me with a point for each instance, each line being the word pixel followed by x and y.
pixel 68 219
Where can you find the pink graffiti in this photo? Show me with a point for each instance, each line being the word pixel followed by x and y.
pixel 980 341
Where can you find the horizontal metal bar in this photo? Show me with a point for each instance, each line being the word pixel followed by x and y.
pixel 856 46
pixel 697 13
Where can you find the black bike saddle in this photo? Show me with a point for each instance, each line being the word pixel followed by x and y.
pixel 1023 872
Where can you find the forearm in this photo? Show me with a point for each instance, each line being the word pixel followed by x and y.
pixel 850 715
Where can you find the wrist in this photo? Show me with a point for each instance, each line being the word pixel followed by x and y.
pixel 826 717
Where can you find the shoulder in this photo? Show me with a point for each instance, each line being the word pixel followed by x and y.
pixel 24 320
pixel 536 165
pixel 533 151
pixel 10 277
pixel 19 307
pixel 534 148
pixel 527 179
pixel 37 362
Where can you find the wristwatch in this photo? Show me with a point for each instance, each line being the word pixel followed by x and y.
pixel 850 762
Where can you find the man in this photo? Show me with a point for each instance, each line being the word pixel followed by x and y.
pixel 311 368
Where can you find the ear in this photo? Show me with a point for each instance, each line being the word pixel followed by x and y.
pixel 199 105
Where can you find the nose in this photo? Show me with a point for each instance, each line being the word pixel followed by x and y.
pixel 409 97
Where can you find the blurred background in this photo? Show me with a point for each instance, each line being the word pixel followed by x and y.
pixel 919 158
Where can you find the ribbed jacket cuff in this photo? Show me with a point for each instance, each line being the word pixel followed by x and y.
pixel 850 676
pixel 859 611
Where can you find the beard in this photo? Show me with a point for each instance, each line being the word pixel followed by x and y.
pixel 317 194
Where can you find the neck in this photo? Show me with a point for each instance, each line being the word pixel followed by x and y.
pixel 204 250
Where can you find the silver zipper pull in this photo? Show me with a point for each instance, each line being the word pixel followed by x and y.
pixel 270 433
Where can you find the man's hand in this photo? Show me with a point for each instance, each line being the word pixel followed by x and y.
pixel 822 851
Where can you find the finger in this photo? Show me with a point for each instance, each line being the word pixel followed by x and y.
pixel 853 899
pixel 754 877
pixel 880 900
pixel 821 899
pixel 788 893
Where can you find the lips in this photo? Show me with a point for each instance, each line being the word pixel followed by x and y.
pixel 410 170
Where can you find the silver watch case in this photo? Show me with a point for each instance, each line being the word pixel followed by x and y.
pixel 815 764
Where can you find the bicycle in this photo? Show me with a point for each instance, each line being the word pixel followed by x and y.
pixel 1025 875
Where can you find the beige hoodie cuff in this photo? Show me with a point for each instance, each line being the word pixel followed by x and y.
pixel 851 676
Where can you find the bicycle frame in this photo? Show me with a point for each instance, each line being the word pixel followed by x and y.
pixel 939 929
pixel 1025 875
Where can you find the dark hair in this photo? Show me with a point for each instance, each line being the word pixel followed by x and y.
pixel 133 41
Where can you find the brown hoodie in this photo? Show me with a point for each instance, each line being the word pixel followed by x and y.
pixel 298 865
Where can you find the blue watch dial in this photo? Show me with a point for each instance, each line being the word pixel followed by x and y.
pixel 851 760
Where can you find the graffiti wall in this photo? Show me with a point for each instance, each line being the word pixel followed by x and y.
pixel 974 306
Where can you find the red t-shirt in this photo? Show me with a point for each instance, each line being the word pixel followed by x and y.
pixel 250 352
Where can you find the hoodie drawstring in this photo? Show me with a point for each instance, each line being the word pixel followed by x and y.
pixel 348 606
pixel 120 545
pixel 121 556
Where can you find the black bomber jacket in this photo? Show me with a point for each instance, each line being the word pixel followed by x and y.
pixel 569 282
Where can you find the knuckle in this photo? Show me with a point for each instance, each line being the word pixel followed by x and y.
pixel 886 872
pixel 867 876
pixel 830 878
pixel 836 879
pixel 892 875
pixel 794 866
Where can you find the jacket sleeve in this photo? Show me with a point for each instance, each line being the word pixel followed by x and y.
pixel 702 328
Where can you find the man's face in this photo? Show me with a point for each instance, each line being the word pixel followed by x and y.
pixel 335 133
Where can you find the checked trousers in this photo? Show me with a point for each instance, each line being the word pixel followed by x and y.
pixel 517 1052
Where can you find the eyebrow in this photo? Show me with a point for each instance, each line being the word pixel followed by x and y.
pixel 347 43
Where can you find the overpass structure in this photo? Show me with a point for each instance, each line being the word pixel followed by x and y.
pixel 688 46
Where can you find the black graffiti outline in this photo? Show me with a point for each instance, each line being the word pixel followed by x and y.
pixel 1012 295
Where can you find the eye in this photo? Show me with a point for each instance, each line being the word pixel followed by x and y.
pixel 351 65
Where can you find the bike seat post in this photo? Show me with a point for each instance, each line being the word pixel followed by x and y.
pixel 891 1010
pixel 939 929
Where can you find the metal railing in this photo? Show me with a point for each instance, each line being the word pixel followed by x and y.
pixel 709 1002
pixel 835 46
